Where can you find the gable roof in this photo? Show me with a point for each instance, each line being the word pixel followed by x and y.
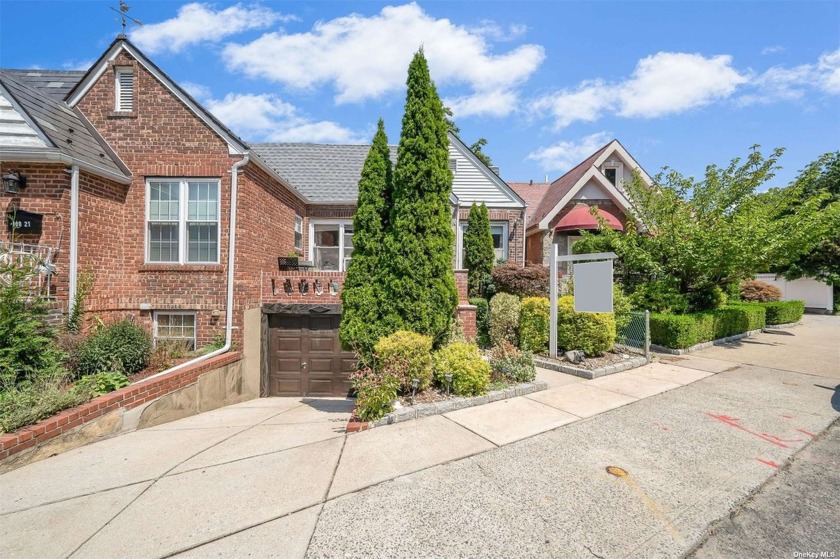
pixel 55 83
pixel 68 135
pixel 236 145
pixel 486 172
pixel 532 193
pixel 562 186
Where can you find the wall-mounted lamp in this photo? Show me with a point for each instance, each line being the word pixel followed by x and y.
pixel 13 182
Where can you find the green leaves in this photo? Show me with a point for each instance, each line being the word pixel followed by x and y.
pixel 479 255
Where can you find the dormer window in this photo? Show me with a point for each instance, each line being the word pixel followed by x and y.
pixel 613 171
pixel 125 89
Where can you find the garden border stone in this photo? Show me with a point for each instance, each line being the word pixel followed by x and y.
pixel 782 326
pixel 437 408
pixel 590 374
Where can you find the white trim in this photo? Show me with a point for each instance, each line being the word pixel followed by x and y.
pixel 465 151
pixel 183 214
pixel 592 173
pixel 615 146
pixel 298 221
pixel 73 267
pixel 52 155
pixel 235 147
pixel 341 222
pixel 155 315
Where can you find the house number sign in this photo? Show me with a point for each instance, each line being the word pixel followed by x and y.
pixel 24 223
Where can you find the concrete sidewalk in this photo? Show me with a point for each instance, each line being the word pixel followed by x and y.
pixel 279 477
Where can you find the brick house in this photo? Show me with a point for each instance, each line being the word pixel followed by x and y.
pixel 559 210
pixel 119 173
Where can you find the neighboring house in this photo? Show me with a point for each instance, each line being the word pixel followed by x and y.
pixel 119 172
pixel 328 175
pixel 558 211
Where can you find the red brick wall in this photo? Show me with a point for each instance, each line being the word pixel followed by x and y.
pixel 125 398
pixel 274 292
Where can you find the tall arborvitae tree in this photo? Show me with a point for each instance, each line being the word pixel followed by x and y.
pixel 418 276
pixel 479 255
pixel 361 325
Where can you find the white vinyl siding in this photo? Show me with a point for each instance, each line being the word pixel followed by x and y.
pixel 125 89
pixel 472 183
pixel 15 131
pixel 176 326
pixel 182 218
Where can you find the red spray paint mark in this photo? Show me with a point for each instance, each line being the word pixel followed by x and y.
pixel 768 462
pixel 807 433
pixel 660 426
pixel 733 422
pixel 788 416
pixel 774 437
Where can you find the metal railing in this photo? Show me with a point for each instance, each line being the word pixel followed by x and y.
pixel 35 260
pixel 634 334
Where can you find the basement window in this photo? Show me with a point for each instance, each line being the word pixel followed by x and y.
pixel 177 327
pixel 125 89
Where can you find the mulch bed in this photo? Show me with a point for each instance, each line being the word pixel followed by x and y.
pixel 591 363
pixel 149 371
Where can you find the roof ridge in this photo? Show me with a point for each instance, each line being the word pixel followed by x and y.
pixel 590 156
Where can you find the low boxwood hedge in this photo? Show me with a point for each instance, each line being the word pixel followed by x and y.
pixel 680 331
pixel 783 312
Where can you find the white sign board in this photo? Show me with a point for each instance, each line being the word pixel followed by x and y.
pixel 593 286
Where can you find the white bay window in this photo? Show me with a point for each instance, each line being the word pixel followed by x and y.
pixel 182 218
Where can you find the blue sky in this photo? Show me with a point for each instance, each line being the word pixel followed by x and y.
pixel 682 84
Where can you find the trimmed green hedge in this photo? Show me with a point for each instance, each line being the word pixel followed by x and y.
pixel 680 331
pixel 534 322
pixel 784 312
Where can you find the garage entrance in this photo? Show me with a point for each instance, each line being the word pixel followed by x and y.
pixel 304 356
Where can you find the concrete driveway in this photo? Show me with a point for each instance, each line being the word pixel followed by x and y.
pixel 524 477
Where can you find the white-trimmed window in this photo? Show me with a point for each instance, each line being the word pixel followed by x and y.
pixel 298 233
pixel 331 244
pixel 175 326
pixel 613 170
pixel 124 89
pixel 453 164
pixel 182 221
pixel 499 232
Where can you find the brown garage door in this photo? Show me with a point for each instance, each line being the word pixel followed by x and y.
pixel 305 356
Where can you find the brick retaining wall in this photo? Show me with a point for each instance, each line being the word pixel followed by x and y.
pixel 127 398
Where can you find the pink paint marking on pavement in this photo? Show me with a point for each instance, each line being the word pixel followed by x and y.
pixel 787 416
pixel 806 433
pixel 768 462
pixel 733 422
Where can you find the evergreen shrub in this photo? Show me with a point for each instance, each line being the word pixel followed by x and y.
pixel 592 333
pixel 534 321
pixel 504 319
pixel 405 356
pixel 470 372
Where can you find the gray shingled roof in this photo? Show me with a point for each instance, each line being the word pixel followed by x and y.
pixel 55 83
pixel 321 172
pixel 67 129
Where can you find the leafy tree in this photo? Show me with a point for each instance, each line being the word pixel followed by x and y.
pixel 699 236
pixel 361 326
pixel 450 121
pixel 418 279
pixel 821 177
pixel 479 255
pixel 476 149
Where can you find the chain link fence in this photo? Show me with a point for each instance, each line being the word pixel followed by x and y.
pixel 634 336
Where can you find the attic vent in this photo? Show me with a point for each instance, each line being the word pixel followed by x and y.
pixel 453 164
pixel 125 89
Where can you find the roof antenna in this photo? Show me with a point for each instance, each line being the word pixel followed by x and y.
pixel 123 11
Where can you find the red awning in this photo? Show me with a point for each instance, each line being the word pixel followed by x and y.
pixel 580 219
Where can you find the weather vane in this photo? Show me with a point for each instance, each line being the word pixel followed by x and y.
pixel 123 11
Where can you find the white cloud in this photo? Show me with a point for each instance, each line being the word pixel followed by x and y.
pixel 197 90
pixel 495 32
pixel 266 117
pixel 663 83
pixel 83 66
pixel 781 83
pixel 773 49
pixel 566 154
pixel 366 57
pixel 201 23
pixel 489 103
